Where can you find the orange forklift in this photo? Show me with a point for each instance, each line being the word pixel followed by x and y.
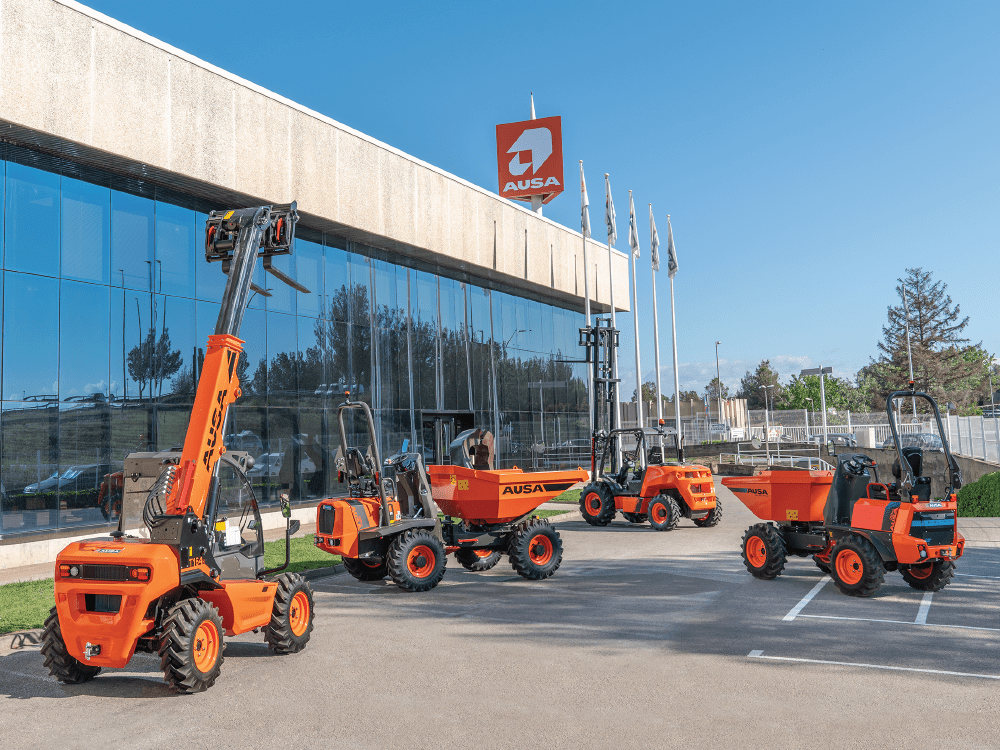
pixel 391 522
pixel 854 525
pixel 200 576
pixel 628 476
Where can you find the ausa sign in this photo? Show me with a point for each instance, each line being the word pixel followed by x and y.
pixel 529 158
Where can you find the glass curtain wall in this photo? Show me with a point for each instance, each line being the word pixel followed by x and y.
pixel 107 305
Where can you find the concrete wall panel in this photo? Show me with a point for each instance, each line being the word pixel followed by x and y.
pixel 71 73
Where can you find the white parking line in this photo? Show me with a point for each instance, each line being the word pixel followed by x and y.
pixel 900 622
pixel 925 608
pixel 972 575
pixel 758 654
pixel 794 611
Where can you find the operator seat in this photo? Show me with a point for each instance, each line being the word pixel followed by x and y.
pixel 355 463
pixel 655 455
pixel 921 484
pixel 850 483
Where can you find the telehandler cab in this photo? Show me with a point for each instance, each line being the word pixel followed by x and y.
pixel 855 526
pixel 200 576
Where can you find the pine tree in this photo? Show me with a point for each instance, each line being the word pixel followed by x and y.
pixel 945 365
pixel 753 383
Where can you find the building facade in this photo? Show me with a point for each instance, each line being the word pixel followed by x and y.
pixel 434 301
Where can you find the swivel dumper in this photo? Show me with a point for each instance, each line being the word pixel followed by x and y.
pixel 200 576
pixel 855 525
pixel 628 471
pixel 389 525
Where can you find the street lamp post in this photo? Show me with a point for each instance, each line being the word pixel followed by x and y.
pixel 822 372
pixel 718 382
pixel 811 407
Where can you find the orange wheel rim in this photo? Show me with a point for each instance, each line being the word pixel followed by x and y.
pixel 659 512
pixel 483 552
pixel 593 503
pixel 924 571
pixel 298 613
pixel 756 551
pixel 850 569
pixel 420 561
pixel 206 646
pixel 540 549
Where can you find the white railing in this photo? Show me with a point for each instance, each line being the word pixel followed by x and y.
pixel 762 458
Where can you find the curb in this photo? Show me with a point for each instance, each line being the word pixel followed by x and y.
pixel 573 515
pixel 320 572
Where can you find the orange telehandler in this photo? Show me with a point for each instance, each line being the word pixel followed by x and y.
pixel 201 575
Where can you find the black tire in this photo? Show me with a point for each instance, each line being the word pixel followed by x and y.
pixel 364 571
pixel 764 551
pixel 856 567
pixel 186 641
pixel 416 560
pixel 825 567
pixel 597 504
pixel 58 660
pixel 713 517
pixel 936 578
pixel 664 513
pixel 469 560
pixel 291 615
pixel 635 517
pixel 535 550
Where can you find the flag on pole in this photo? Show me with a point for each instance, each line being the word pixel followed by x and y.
pixel 633 232
pixel 671 251
pixel 609 213
pixel 584 205
pixel 654 241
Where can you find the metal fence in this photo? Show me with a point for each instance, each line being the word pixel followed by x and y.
pixel 974 437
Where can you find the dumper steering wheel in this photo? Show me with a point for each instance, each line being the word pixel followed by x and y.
pixel 865 461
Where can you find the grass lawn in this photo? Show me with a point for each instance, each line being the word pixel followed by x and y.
pixel 26 605
pixel 305 555
pixel 569 496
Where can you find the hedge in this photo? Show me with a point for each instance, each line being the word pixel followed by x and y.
pixel 981 499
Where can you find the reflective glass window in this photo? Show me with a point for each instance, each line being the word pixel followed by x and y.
pixel 176 347
pixel 86 231
pixel 309 265
pixel 282 356
pixel 253 363
pixel 131 241
pixel 175 250
pixel 31 337
pixel 210 281
pixel 84 375
pixel 29 466
pixel 32 220
pixel 282 297
pixel 338 281
pixel 84 462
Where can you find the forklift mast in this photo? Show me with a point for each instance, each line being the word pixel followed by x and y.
pixel 236 238
pixel 600 341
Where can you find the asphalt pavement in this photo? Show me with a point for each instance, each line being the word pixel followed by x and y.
pixel 642 639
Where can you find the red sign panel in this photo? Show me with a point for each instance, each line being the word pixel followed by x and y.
pixel 529 158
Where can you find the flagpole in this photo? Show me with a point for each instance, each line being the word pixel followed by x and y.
pixel 635 321
pixel 677 379
pixel 656 329
pixel 614 349
pixel 586 298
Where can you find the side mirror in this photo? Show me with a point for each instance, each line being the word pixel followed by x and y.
pixel 286 505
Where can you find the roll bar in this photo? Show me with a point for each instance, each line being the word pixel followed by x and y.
pixel 349 405
pixel 906 481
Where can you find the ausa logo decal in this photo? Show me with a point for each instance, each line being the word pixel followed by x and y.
pixel 522 489
pixel 529 158
pixel 750 490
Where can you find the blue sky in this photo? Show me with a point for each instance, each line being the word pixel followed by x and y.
pixel 807 152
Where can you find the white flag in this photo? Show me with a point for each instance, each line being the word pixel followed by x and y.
pixel 654 240
pixel 633 233
pixel 609 213
pixel 584 205
pixel 671 251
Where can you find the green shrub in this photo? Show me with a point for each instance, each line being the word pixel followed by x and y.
pixel 981 499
